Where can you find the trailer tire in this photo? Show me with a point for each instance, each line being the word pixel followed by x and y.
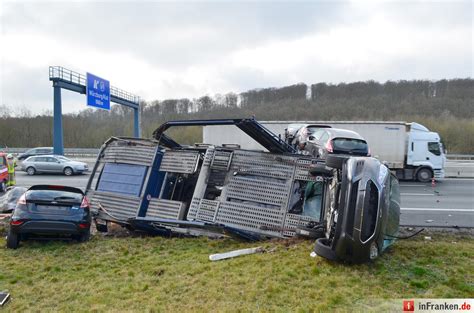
pixel 323 249
pixel 312 233
pixel 424 175
pixel 320 170
pixel 335 161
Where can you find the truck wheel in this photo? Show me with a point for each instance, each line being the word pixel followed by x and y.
pixel 424 175
pixel 13 240
pixel 30 171
pixel 335 161
pixel 68 171
pixel 323 249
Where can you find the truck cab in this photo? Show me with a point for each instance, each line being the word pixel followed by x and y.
pixel 425 153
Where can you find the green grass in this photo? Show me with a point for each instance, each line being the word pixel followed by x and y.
pixel 162 274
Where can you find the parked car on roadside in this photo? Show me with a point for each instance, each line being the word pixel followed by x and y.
pixel 53 164
pixel 51 212
pixel 35 151
pixel 10 198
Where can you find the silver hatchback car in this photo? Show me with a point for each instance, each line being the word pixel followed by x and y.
pixel 53 164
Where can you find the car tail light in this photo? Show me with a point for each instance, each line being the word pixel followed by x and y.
pixel 84 225
pixel 16 222
pixel 22 199
pixel 85 203
pixel 329 146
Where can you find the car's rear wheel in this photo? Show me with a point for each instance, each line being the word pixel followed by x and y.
pixel 85 236
pixel 31 171
pixel 335 161
pixel 68 171
pixel 13 240
pixel 323 249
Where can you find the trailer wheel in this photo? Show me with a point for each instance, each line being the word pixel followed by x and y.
pixel 320 170
pixel 323 249
pixel 312 233
pixel 335 161
pixel 424 175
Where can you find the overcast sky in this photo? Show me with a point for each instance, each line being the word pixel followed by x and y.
pixel 161 50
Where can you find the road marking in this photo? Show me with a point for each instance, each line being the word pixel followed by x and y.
pixel 436 209
pixel 417 194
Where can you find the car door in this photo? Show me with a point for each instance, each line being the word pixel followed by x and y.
pixel 53 165
pixel 40 164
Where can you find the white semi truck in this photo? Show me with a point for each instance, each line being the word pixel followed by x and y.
pixel 411 150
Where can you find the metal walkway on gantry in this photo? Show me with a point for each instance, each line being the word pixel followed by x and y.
pixel 70 80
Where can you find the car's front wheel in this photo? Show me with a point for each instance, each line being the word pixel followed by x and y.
pixel 13 240
pixel 30 171
pixel 322 248
pixel 68 171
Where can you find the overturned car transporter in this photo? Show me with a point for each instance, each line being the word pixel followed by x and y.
pixel 162 187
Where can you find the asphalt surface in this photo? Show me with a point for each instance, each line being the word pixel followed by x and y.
pixel 449 204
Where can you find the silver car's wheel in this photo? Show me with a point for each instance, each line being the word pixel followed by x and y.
pixel 68 171
pixel 30 171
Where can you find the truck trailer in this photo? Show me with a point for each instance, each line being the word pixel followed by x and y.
pixel 410 150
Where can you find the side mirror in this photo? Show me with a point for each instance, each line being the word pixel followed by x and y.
pixel 311 138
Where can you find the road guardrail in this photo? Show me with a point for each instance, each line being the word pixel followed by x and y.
pixel 67 151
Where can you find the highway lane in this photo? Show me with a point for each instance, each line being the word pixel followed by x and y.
pixel 450 203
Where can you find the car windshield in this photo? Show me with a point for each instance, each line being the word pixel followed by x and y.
pixel 350 144
pixel 64 159
pixel 53 195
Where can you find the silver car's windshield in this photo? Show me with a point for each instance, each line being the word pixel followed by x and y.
pixel 63 159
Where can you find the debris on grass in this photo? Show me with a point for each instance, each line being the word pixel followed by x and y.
pixel 235 253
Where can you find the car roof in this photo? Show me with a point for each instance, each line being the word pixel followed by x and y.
pixel 46 155
pixel 345 133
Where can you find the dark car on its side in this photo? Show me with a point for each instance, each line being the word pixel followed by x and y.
pixel 52 212
pixel 362 211
pixel 35 151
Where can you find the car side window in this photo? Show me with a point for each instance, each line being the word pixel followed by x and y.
pixel 2 161
pixel 40 159
pixel 324 137
pixel 317 134
pixel 51 160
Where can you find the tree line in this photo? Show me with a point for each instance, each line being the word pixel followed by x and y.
pixel 444 106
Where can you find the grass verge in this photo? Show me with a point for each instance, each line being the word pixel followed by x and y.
pixel 162 274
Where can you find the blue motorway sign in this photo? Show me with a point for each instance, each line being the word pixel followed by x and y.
pixel 98 92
